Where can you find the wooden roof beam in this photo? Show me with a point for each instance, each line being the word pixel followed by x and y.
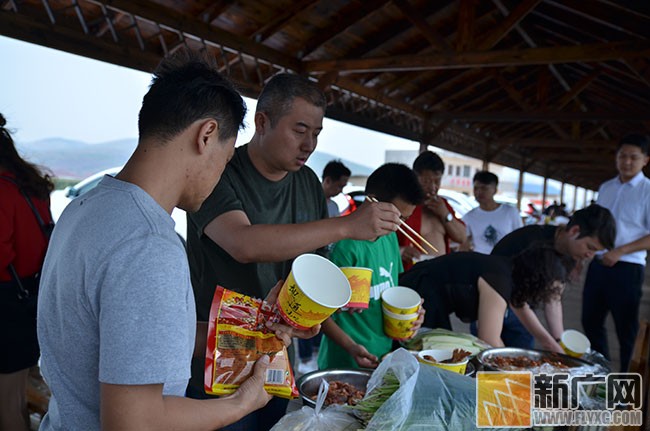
pixel 543 116
pixel 510 21
pixel 578 88
pixel 418 21
pixel 149 10
pixel 62 38
pixel 274 25
pixel 213 11
pixel 509 57
pixel 378 97
pixel 519 99
pixel 640 68
pixel 346 17
pixel 466 25
pixel 560 143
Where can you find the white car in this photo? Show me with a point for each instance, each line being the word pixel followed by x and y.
pixel 460 202
pixel 59 199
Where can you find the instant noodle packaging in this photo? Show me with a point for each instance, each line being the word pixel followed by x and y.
pixel 237 338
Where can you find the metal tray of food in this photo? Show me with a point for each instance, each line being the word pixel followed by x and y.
pixel 516 359
pixel 309 383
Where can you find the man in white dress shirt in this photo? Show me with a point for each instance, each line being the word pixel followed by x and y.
pixel 615 278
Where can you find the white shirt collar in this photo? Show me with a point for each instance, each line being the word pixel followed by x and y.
pixel 634 181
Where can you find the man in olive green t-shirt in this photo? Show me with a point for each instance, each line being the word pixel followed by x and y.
pixel 268 209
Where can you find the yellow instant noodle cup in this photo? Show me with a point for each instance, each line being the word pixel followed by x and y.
pixel 436 356
pixel 398 326
pixel 314 289
pixel 359 279
pixel 401 300
pixel 574 343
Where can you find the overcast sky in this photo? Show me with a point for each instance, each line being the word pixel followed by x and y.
pixel 47 93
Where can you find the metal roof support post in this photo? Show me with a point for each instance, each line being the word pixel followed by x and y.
pixel 520 186
pixel 544 191
pixel 562 192
pixel 423 147
pixel 575 198
pixel 486 159
pixel 584 199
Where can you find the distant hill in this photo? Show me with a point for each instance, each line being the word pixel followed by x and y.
pixel 74 159
pixel 77 160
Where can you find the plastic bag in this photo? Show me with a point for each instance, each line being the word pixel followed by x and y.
pixel 332 418
pixel 428 399
pixel 237 338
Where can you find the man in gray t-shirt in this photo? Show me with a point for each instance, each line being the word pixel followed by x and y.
pixel 116 320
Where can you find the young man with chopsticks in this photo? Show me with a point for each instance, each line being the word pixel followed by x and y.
pixel 357 339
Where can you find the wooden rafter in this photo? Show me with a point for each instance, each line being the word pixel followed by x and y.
pixel 274 25
pixel 507 57
pixel 508 23
pixel 466 19
pixel 188 24
pixel 427 31
pixel 544 116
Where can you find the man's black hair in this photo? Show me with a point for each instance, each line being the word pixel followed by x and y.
pixel 428 161
pixel 597 221
pixel 187 87
pixel 335 170
pixel 486 177
pixel 636 139
pixel 394 180
pixel 278 95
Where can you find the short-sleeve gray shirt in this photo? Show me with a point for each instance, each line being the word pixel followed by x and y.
pixel 115 303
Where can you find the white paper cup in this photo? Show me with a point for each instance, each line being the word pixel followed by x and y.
pixel 574 343
pixel 401 300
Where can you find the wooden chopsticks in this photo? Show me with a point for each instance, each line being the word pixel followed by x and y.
pixel 413 232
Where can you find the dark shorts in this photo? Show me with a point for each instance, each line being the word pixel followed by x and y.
pixel 18 342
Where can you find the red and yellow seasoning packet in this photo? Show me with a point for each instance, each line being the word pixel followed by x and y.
pixel 237 338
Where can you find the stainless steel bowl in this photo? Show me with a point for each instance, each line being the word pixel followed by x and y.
pixel 309 383
pixel 537 355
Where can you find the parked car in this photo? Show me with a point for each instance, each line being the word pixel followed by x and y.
pixel 460 202
pixel 59 199
pixel 526 217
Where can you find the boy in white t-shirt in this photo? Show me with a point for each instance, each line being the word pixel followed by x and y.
pixel 490 221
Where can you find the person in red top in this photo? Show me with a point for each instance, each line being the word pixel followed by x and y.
pixel 23 241
pixel 434 219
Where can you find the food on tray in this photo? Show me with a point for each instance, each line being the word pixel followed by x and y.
pixel 521 362
pixel 445 339
pixel 341 393
pixel 457 356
